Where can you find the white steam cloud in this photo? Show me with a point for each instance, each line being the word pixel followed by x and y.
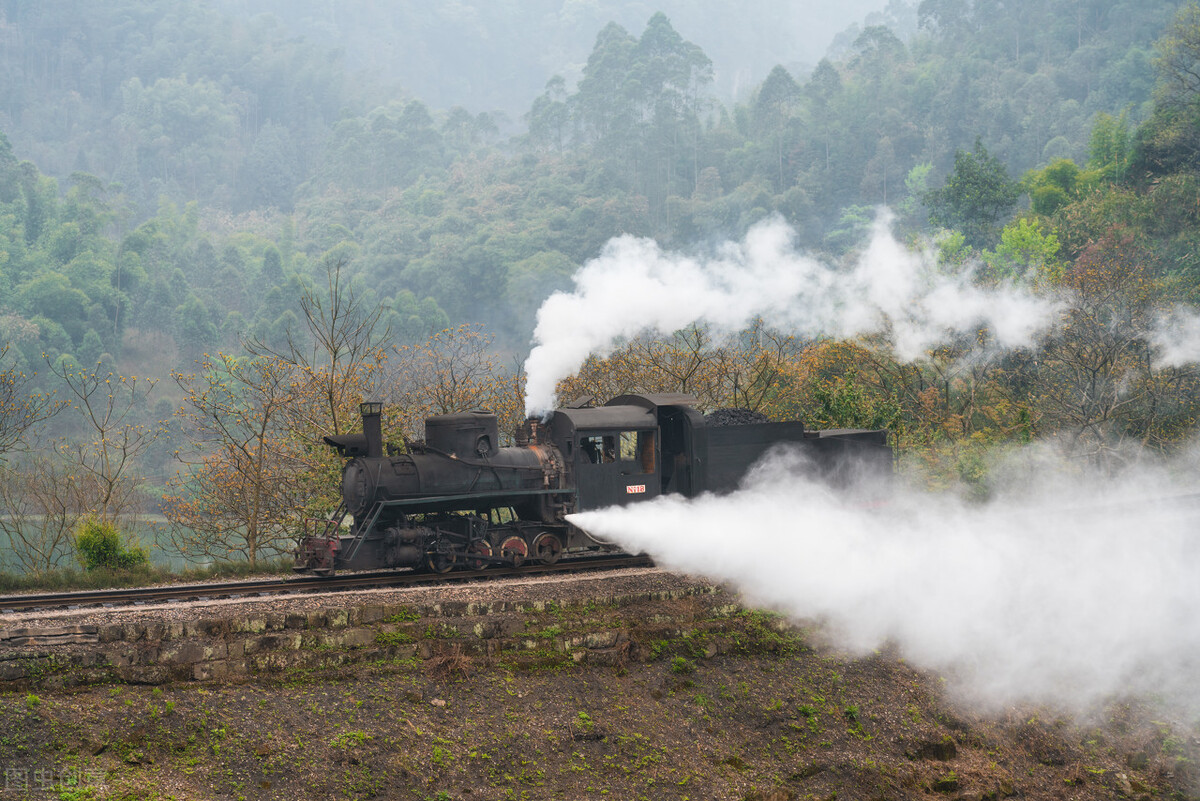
pixel 1176 339
pixel 634 287
pixel 1067 592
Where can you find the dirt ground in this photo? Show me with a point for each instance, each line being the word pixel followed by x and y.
pixel 776 719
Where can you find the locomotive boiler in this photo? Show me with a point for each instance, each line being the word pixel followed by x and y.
pixel 458 499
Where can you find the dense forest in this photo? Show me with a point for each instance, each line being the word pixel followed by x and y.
pixel 216 234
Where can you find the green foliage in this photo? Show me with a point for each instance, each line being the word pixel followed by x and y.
pixel 1109 147
pixel 1025 251
pixel 761 633
pixel 639 146
pixel 403 615
pixel 1051 188
pixel 916 187
pixel 975 196
pixel 846 403
pixel 682 665
pixel 394 638
pixel 77 794
pixel 100 546
pixel 442 757
pixel 350 739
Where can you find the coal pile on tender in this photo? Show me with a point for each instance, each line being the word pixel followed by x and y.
pixel 734 417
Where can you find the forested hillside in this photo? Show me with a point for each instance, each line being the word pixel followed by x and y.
pixel 201 198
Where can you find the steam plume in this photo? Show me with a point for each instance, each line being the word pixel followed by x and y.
pixel 1176 339
pixel 635 287
pixel 1058 591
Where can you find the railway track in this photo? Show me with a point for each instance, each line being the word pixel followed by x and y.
pixel 302 584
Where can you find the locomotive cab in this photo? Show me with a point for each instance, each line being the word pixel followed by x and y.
pixel 633 448
pixel 611 453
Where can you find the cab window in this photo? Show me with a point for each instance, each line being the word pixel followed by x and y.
pixel 600 449
pixel 637 451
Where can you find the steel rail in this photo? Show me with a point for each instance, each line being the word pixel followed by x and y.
pixel 304 584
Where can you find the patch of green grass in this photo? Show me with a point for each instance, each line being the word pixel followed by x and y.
pixel 540 660
pixel 761 634
pixel 103 578
pixel 441 757
pixel 403 615
pixel 658 647
pixel 681 665
pixel 440 631
pixel 348 739
pixel 394 638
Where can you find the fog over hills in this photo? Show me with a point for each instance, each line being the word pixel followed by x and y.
pixel 489 56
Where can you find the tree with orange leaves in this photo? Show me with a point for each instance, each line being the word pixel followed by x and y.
pixel 453 371
pixel 750 370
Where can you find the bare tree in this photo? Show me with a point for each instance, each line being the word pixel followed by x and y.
pixel 42 504
pixel 20 408
pixel 105 457
pixel 337 358
pixel 1097 382
pixel 1179 55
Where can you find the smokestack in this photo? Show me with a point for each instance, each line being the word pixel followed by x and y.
pixel 372 414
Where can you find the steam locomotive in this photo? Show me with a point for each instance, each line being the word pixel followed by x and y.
pixel 458 499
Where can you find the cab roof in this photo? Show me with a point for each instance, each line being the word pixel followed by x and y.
pixel 604 418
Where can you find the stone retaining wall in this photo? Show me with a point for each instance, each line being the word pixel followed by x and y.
pixel 604 631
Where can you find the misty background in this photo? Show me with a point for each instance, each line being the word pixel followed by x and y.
pixel 223 225
pixel 464 159
pixel 494 57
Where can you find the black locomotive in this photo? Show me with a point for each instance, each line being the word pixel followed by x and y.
pixel 458 499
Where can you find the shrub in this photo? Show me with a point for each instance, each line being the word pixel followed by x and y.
pixel 681 665
pixel 99 544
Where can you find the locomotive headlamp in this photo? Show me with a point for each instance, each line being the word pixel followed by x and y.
pixel 370 407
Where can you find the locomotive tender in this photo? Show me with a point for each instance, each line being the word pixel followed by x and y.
pixel 459 500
